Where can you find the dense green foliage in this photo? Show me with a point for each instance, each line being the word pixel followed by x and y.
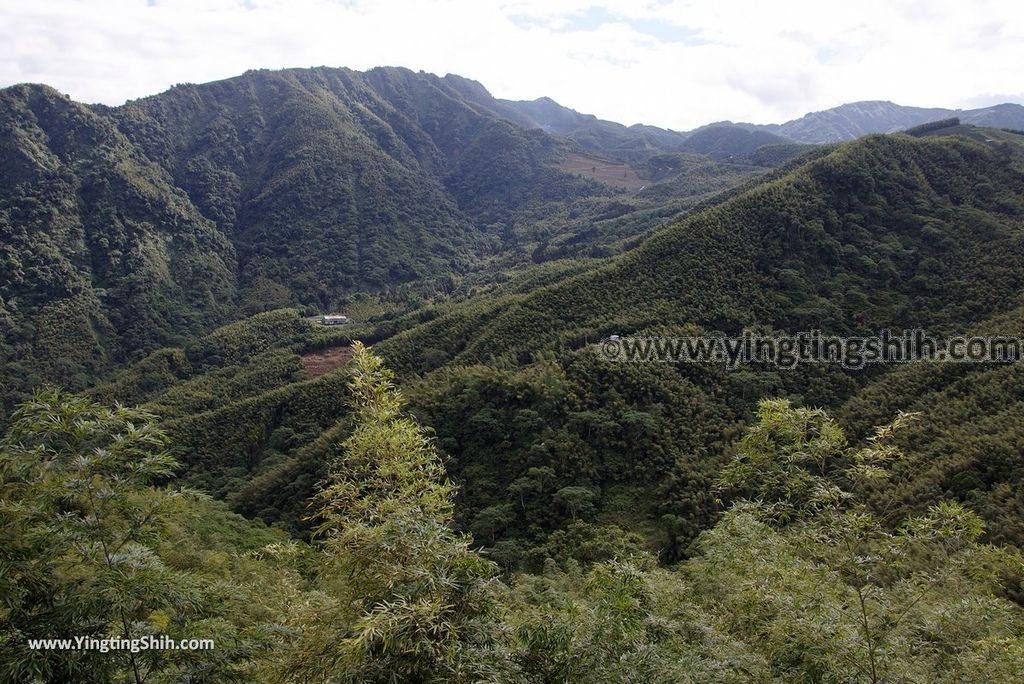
pixel 101 255
pixel 804 581
pixel 412 601
pixel 564 518
pixel 128 229
pixel 851 240
pixel 92 548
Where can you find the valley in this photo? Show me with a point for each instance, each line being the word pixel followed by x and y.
pixel 455 485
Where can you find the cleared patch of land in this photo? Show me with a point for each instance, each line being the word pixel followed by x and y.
pixel 325 360
pixel 613 173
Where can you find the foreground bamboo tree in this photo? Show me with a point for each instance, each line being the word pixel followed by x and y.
pixel 809 576
pixel 81 525
pixel 406 599
pixel 830 588
pixel 95 544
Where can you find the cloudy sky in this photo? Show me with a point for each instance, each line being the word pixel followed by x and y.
pixel 672 63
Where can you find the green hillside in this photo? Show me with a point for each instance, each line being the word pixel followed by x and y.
pixel 131 228
pixel 888 232
pixel 102 255
pixel 325 186
pixel 458 485
pixel 98 545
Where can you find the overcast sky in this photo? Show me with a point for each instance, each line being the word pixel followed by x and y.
pixel 674 63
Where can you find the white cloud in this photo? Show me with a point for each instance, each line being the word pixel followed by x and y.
pixel 675 63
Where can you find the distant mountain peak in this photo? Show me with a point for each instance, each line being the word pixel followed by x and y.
pixel 854 119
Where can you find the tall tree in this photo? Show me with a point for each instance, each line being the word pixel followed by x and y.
pixel 408 600
pixel 80 520
pixel 829 589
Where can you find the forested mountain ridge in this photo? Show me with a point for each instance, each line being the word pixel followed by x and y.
pixel 309 201
pixel 886 232
pixel 102 254
pixel 299 187
pixel 847 239
pixel 508 504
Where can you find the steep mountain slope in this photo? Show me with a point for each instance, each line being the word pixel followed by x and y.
pixel 886 232
pixel 129 228
pixel 849 240
pixel 101 255
pixel 329 180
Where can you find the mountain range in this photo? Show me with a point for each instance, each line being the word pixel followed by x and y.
pixel 463 231
pixel 127 228
pixel 130 227
pixel 886 232
pixel 481 493
pixel 845 122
